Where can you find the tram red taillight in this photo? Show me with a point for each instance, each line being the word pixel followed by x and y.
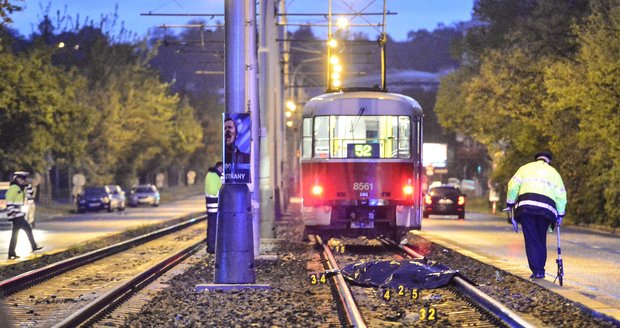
pixel 461 200
pixel 408 190
pixel 428 200
pixel 317 190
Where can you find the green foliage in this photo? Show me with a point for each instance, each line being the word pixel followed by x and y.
pixel 544 75
pixel 39 112
pixel 587 90
pixel 92 106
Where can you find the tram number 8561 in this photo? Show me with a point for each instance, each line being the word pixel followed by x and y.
pixel 364 186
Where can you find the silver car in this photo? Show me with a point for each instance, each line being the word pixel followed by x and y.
pixel 144 194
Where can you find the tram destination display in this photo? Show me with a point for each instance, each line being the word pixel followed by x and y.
pixel 363 150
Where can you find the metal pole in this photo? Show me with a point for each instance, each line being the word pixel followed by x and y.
pixel 234 256
pixel 267 103
pixel 284 81
pixel 252 107
pixel 277 120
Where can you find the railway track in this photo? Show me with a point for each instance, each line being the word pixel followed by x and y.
pixel 82 289
pixel 460 304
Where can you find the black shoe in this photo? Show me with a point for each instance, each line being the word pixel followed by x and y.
pixel 13 257
pixel 537 276
pixel 37 248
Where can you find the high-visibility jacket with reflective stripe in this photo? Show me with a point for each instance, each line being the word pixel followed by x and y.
pixel 15 198
pixel 213 183
pixel 537 184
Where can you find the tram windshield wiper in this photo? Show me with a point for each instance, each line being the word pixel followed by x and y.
pixel 357 120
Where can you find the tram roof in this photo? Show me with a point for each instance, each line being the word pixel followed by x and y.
pixel 350 103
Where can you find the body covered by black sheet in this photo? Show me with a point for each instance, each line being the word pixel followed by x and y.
pixel 391 274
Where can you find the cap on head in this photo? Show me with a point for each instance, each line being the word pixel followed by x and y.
pixel 544 155
pixel 20 174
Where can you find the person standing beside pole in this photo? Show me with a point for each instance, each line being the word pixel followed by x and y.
pixel 213 183
pixel 537 195
pixel 16 196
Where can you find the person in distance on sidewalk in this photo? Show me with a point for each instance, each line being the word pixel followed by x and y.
pixel 537 195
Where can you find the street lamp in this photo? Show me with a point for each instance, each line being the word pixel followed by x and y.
pixel 334 60
pixel 290 105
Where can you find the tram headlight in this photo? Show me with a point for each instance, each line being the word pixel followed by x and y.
pixel 317 190
pixel 408 190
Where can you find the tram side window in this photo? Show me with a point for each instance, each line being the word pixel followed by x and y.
pixel 321 137
pixel 306 148
pixel 404 137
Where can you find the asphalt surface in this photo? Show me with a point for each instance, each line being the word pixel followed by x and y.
pixel 590 258
pixel 61 232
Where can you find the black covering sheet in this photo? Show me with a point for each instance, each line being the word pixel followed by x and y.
pixel 411 274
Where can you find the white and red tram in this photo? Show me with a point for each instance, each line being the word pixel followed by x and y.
pixel 361 163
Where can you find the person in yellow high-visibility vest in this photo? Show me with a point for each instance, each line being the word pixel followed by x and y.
pixel 537 195
pixel 213 183
pixel 16 197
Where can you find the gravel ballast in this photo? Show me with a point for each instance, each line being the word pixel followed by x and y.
pixel 293 302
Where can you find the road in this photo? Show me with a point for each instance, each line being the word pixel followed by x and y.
pixel 62 232
pixel 591 259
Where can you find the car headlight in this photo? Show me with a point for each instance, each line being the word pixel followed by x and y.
pixel 105 200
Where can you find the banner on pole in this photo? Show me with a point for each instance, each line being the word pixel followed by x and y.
pixel 237 141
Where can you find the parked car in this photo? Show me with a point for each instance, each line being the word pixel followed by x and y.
pixel 97 198
pixel 119 196
pixel 444 200
pixel 144 194
pixel 30 208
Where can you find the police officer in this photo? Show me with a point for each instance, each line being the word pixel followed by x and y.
pixel 16 197
pixel 213 182
pixel 537 195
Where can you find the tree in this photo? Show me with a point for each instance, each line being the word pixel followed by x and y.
pixel 587 91
pixel 39 112
pixel 6 8
pixel 500 97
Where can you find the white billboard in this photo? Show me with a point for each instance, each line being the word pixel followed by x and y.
pixel 434 154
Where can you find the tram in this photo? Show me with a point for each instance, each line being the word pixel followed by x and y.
pixel 361 164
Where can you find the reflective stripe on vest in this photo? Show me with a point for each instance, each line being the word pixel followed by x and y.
pixel 538 204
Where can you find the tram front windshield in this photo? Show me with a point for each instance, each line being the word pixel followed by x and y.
pixel 350 136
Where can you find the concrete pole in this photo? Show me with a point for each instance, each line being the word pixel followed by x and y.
pixel 278 113
pixel 286 138
pixel 234 250
pixel 251 98
pixel 267 104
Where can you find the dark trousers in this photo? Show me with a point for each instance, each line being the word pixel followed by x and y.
pixel 212 203
pixel 535 233
pixel 20 223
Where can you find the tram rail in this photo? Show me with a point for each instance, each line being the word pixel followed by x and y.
pixel 460 301
pixel 347 302
pixel 80 290
pixel 26 279
pixel 493 306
